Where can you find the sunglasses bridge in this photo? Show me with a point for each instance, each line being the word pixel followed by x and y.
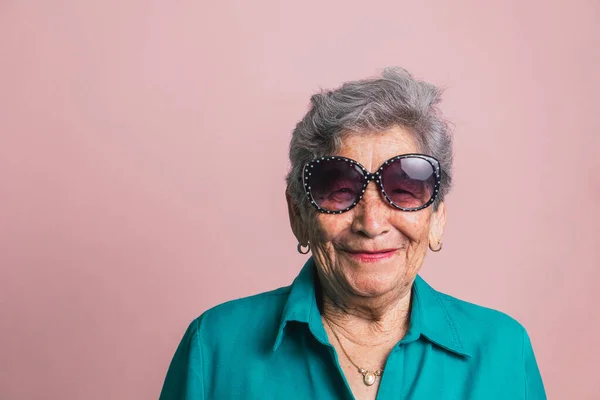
pixel 372 177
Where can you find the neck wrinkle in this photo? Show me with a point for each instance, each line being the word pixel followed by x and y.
pixel 364 326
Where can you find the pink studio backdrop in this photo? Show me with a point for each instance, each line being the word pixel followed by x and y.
pixel 143 148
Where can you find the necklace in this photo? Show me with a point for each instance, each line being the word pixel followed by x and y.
pixel 368 376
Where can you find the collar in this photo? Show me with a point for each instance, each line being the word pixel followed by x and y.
pixel 438 323
pixel 430 317
pixel 301 305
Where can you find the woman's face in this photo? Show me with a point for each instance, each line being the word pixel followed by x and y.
pixel 373 249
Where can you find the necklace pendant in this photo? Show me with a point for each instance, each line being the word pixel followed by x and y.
pixel 369 378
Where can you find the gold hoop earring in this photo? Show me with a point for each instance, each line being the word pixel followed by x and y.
pixel 300 246
pixel 439 248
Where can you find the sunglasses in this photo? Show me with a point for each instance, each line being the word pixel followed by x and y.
pixel 409 182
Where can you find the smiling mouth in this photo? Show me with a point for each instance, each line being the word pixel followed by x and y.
pixel 371 256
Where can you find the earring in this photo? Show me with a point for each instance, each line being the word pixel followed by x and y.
pixel 439 248
pixel 303 251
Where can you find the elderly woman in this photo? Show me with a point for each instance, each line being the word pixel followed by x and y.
pixel 371 165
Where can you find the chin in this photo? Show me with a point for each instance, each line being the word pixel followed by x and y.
pixel 370 282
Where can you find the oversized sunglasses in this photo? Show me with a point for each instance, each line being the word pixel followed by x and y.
pixel 409 182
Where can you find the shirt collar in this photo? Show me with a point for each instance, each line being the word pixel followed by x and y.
pixel 301 305
pixel 438 324
pixel 430 317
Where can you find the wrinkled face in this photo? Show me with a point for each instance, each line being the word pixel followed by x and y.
pixel 374 248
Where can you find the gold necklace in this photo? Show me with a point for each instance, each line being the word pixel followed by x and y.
pixel 368 376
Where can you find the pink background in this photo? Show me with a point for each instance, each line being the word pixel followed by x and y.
pixel 131 132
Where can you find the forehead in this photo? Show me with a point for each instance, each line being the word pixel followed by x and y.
pixel 373 149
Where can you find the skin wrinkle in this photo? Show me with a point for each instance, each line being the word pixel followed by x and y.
pixel 368 303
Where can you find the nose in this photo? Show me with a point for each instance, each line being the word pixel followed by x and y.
pixel 372 213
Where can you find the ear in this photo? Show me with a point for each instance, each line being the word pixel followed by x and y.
pixel 297 222
pixel 437 224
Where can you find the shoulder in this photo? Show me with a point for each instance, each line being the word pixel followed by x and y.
pixel 483 328
pixel 253 315
pixel 477 316
pixel 496 340
pixel 250 306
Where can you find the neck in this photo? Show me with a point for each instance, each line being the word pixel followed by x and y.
pixel 368 321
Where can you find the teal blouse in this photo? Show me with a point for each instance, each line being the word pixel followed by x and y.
pixel 273 346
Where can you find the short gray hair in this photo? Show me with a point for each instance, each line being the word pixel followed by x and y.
pixel 366 106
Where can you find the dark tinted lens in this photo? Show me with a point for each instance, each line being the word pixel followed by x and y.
pixel 335 184
pixel 409 182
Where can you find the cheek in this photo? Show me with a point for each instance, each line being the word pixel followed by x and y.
pixel 413 225
pixel 328 226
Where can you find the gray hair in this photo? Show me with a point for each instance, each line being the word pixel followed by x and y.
pixel 371 106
